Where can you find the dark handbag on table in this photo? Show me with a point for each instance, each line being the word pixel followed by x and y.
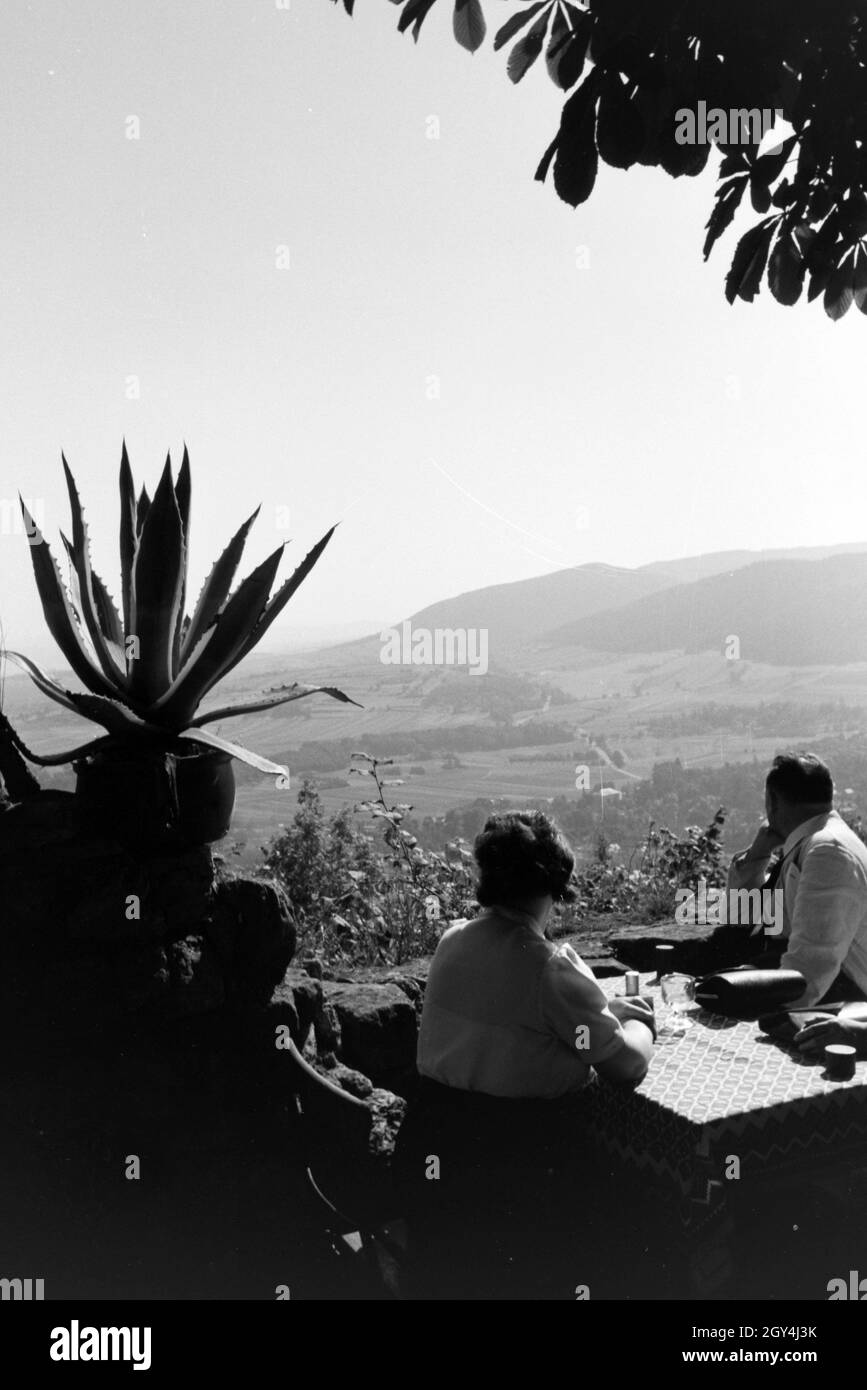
pixel 749 993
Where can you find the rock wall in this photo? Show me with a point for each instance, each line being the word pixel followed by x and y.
pixel 172 975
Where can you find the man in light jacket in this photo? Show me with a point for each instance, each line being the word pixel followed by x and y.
pixel 823 877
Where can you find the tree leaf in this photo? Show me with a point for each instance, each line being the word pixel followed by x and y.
pixel 517 22
pixel 527 49
pixel 560 33
pixel 734 163
pixel 822 256
pixel 784 194
pixel 577 162
pixel 545 162
pixel 728 199
pixel 840 290
pixel 786 269
pixel 853 214
pixel 619 127
pixel 414 14
pixel 859 279
pixel 819 279
pixel 748 265
pixel 566 57
pixel 679 160
pixel 768 167
pixel 760 194
pixel 468 24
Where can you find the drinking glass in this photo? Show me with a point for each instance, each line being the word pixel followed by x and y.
pixel 678 993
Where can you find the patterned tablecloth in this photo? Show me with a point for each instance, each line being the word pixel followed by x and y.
pixel 722 1090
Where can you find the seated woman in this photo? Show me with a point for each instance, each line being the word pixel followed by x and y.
pixel 513 1028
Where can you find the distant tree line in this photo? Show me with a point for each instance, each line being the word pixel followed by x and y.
pixel 673 796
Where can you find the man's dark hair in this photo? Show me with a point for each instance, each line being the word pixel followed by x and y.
pixel 801 779
pixel 522 854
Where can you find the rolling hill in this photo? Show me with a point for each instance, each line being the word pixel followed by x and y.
pixel 783 612
pixel 571 605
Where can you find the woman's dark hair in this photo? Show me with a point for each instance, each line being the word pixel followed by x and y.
pixel 522 854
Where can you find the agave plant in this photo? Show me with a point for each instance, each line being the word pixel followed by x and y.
pixel 148 667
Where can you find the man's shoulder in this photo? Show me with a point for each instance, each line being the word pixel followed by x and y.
pixel 835 839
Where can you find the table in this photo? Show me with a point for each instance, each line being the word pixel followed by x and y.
pixel 723 1091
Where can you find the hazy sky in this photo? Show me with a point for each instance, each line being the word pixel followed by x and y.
pixel 620 412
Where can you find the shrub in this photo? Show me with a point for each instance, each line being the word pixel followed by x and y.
pixel 368 897
pixel 373 895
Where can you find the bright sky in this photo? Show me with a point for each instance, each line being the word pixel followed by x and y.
pixel 620 412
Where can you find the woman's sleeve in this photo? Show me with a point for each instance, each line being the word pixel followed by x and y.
pixel 576 1009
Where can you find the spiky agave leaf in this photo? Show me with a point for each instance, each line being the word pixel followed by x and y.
pixel 183 492
pixel 244 755
pixel 153 566
pixel 156 594
pixel 70 756
pixel 73 586
pixel 216 587
pixel 183 495
pixel 110 660
pixel 128 535
pixel 59 618
pixel 293 692
pixel 141 510
pixel 112 714
pixel 216 651
pixel 109 618
pixel 43 682
pixel 276 604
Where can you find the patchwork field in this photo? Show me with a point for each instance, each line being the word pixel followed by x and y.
pixel 455 737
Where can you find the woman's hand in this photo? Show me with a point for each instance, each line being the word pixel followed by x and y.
pixel 632 1006
pixel 817 1035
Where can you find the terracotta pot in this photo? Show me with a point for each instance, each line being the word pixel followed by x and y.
pixel 157 797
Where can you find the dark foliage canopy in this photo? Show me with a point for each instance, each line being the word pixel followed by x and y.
pixel 632 68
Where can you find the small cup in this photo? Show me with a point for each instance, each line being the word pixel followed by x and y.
pixel 633 982
pixel 663 957
pixel 840 1061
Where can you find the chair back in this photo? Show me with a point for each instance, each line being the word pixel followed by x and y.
pixel 336 1128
